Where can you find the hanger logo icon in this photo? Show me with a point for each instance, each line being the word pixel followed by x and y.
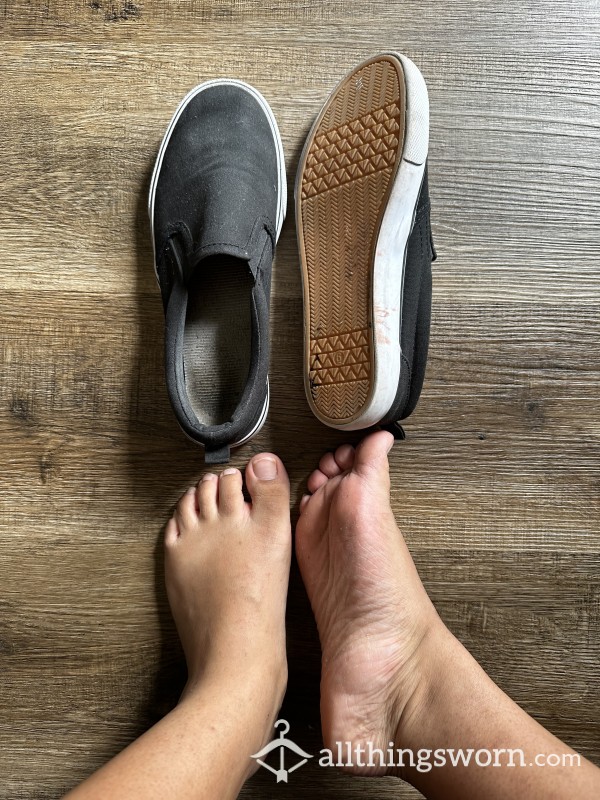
pixel 282 744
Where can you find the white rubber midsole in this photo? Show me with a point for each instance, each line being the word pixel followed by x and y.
pixel 390 252
pixel 261 420
pixel 281 188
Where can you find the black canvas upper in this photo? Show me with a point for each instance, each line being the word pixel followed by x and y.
pixel 217 195
pixel 416 314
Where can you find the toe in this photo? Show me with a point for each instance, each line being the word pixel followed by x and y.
pixel 304 501
pixel 171 532
pixel 344 457
pixel 315 480
pixel 371 454
pixel 207 496
pixel 186 513
pixel 328 465
pixel 231 498
pixel 269 486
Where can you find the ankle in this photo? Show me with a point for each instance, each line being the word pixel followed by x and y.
pixel 262 683
pixel 434 658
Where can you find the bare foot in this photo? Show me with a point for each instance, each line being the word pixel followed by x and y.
pixel 372 611
pixel 226 567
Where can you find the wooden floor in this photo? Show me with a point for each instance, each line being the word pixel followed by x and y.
pixel 497 485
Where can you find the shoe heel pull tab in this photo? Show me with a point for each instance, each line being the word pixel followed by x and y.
pixel 432 247
pixel 220 455
pixel 395 429
pixel 432 250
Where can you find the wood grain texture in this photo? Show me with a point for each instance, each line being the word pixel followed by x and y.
pixel 497 485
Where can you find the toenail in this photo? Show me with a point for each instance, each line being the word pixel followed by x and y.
pixel 229 471
pixel 208 477
pixel 191 490
pixel 265 468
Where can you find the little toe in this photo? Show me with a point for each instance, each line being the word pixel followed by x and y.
pixel 268 486
pixel 207 495
pixel 186 512
pixel 171 532
pixel 231 498
pixel 329 466
pixel 344 457
pixel 315 480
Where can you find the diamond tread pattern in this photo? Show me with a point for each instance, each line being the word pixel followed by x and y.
pixel 344 188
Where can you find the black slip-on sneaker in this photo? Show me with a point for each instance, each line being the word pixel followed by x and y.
pixel 415 317
pixel 217 203
pixel 362 211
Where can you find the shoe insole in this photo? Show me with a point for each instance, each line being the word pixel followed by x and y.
pixel 217 338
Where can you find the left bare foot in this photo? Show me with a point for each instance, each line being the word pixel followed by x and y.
pixel 227 566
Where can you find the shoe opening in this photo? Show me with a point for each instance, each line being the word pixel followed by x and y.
pixel 217 337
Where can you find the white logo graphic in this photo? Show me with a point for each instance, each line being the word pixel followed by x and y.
pixel 282 744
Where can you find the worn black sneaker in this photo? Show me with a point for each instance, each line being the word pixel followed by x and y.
pixel 217 203
pixel 416 315
pixel 362 211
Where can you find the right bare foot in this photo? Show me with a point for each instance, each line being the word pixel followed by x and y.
pixel 372 611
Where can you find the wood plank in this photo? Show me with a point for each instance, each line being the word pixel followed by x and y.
pixel 496 487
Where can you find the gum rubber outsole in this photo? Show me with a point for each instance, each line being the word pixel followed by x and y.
pixel 345 177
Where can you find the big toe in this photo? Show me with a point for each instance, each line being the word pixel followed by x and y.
pixel 371 454
pixel 269 487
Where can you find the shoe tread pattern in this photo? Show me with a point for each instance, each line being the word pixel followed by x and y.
pixel 344 187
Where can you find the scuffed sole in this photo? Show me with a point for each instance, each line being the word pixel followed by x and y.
pixel 356 192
